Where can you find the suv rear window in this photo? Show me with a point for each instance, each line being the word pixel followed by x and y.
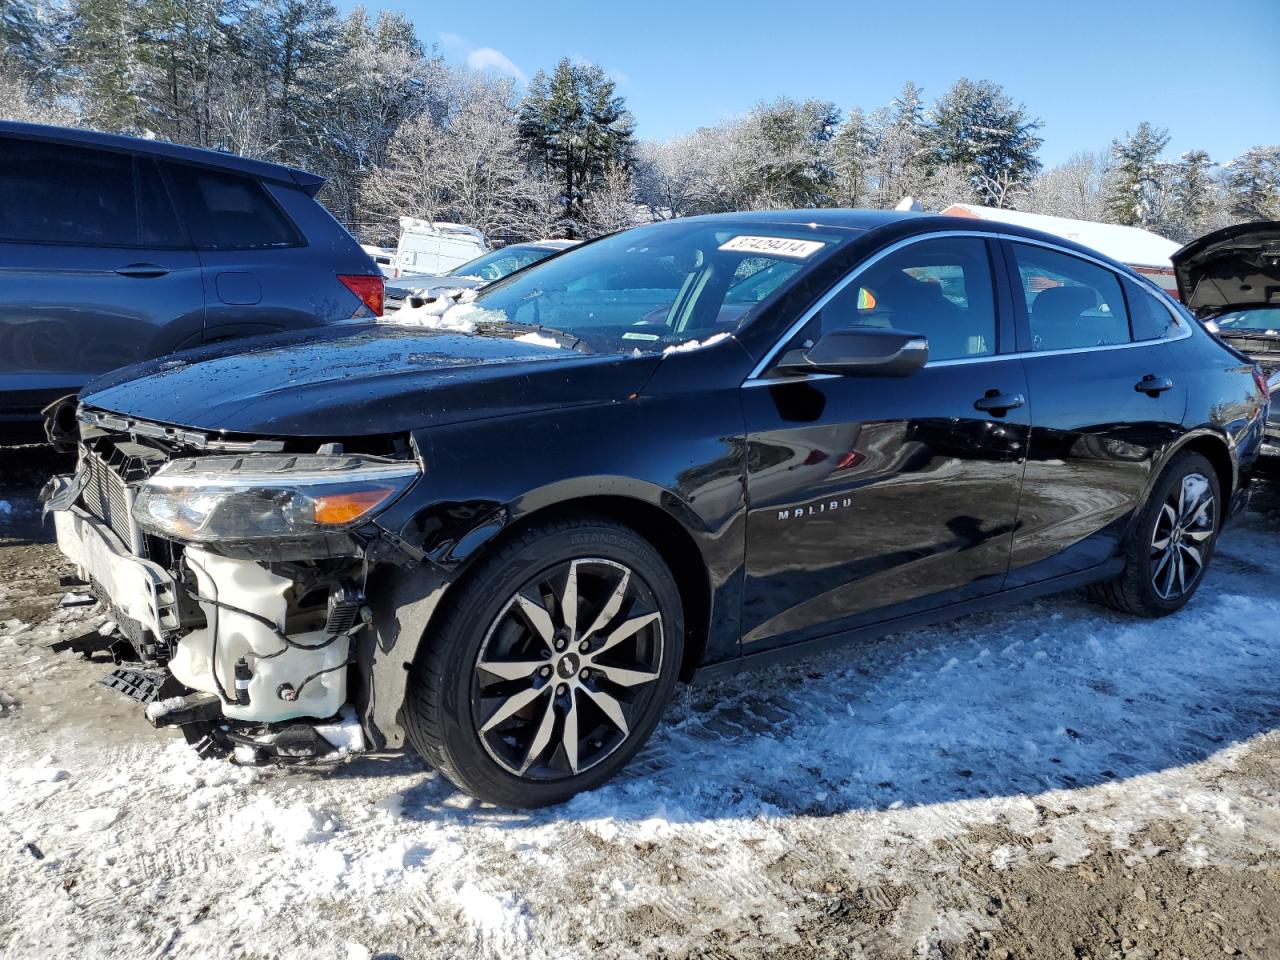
pixel 54 193
pixel 224 211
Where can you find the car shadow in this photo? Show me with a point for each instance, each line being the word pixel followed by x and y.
pixel 1057 694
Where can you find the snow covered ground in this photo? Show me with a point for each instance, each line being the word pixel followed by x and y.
pixel 1052 780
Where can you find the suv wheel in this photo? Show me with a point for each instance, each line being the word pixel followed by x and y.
pixel 551 667
pixel 1168 549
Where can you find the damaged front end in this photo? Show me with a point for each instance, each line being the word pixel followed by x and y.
pixel 235 570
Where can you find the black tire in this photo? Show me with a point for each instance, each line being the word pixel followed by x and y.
pixel 1138 589
pixel 449 692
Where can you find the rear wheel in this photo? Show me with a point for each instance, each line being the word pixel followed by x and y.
pixel 1169 547
pixel 551 667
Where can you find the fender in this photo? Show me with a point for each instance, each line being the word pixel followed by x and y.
pixel 691 471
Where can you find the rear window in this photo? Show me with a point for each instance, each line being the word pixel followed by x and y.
pixel 53 193
pixel 225 211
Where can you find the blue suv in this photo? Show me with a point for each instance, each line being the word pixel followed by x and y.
pixel 115 250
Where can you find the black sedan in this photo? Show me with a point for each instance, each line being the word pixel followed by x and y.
pixel 502 533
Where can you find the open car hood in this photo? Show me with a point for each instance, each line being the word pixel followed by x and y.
pixel 1236 268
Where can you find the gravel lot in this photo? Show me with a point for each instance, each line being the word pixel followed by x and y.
pixel 1049 781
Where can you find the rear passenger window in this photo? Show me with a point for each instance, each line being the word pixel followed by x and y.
pixel 941 288
pixel 1151 319
pixel 53 193
pixel 224 211
pixel 1071 303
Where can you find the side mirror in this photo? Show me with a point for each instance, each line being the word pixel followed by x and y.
pixel 865 351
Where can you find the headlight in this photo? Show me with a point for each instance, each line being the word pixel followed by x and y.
pixel 267 496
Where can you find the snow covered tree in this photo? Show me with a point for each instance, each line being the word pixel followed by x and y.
pixel 611 205
pixel 470 167
pixel 19 102
pixel 1138 190
pixel 577 127
pixel 1252 182
pixel 1195 205
pixel 29 41
pixel 102 54
pixel 976 127
pixel 852 154
pixel 1072 189
pixel 789 141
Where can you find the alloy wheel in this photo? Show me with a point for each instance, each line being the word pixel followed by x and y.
pixel 567 668
pixel 1180 540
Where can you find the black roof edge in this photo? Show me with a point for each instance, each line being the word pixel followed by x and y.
pixel 309 183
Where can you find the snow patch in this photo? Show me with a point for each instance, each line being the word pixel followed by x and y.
pixel 539 339
pixel 689 345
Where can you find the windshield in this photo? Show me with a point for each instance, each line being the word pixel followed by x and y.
pixel 499 263
pixel 660 285
pixel 1266 320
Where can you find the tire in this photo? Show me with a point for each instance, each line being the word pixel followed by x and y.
pixel 504 681
pixel 1149 585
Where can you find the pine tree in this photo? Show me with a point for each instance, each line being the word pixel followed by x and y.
pixel 792 168
pixel 852 155
pixel 1253 184
pixel 102 54
pixel 577 127
pixel 28 42
pixel 1139 180
pixel 1194 197
pixel 976 127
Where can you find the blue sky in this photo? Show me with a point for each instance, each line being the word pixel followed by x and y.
pixel 1091 69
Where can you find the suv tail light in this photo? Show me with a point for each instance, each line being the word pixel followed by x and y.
pixel 368 288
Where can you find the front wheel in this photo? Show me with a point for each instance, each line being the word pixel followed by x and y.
pixel 1168 549
pixel 551 667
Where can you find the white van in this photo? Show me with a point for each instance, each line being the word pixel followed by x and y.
pixel 427 247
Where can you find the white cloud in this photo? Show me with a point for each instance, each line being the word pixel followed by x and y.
pixel 453 40
pixel 487 58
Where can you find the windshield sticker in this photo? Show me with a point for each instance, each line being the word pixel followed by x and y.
pixel 632 335
pixel 775 246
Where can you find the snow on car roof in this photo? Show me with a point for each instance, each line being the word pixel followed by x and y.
pixel 1130 245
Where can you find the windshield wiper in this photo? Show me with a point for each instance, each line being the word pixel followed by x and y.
pixel 570 341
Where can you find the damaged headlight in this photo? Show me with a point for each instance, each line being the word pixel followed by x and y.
pixel 267 496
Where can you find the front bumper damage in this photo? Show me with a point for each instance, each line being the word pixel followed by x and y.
pixel 249 659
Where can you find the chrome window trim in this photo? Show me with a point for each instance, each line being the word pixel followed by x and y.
pixel 755 378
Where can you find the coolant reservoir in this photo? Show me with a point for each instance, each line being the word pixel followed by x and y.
pixel 250 587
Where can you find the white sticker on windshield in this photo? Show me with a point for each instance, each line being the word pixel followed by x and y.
pixel 774 246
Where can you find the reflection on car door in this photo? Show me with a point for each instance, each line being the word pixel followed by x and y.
pixel 95 271
pixel 869 496
pixel 1103 404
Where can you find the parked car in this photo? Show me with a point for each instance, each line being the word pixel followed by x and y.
pixel 114 250
pixel 384 258
pixel 1230 279
pixel 473 274
pixel 501 536
pixel 425 247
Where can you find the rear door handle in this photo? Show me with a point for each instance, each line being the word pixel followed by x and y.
pixel 142 270
pixel 1152 385
pixel 999 403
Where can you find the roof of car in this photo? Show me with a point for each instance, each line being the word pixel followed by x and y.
pixel 907 223
pixel 169 151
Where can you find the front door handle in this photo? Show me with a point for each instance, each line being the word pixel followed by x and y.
pixel 142 270
pixel 997 403
pixel 1152 385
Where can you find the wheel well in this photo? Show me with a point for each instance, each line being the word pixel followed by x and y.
pixel 667 536
pixel 1216 452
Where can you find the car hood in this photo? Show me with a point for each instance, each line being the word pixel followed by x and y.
pixel 1237 268
pixel 356 380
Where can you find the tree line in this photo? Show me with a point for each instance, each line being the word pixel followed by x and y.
pixel 398 131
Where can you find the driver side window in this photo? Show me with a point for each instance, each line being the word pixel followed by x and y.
pixel 941 288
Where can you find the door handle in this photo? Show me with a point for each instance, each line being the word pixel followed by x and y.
pixel 1152 385
pixel 142 270
pixel 998 403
